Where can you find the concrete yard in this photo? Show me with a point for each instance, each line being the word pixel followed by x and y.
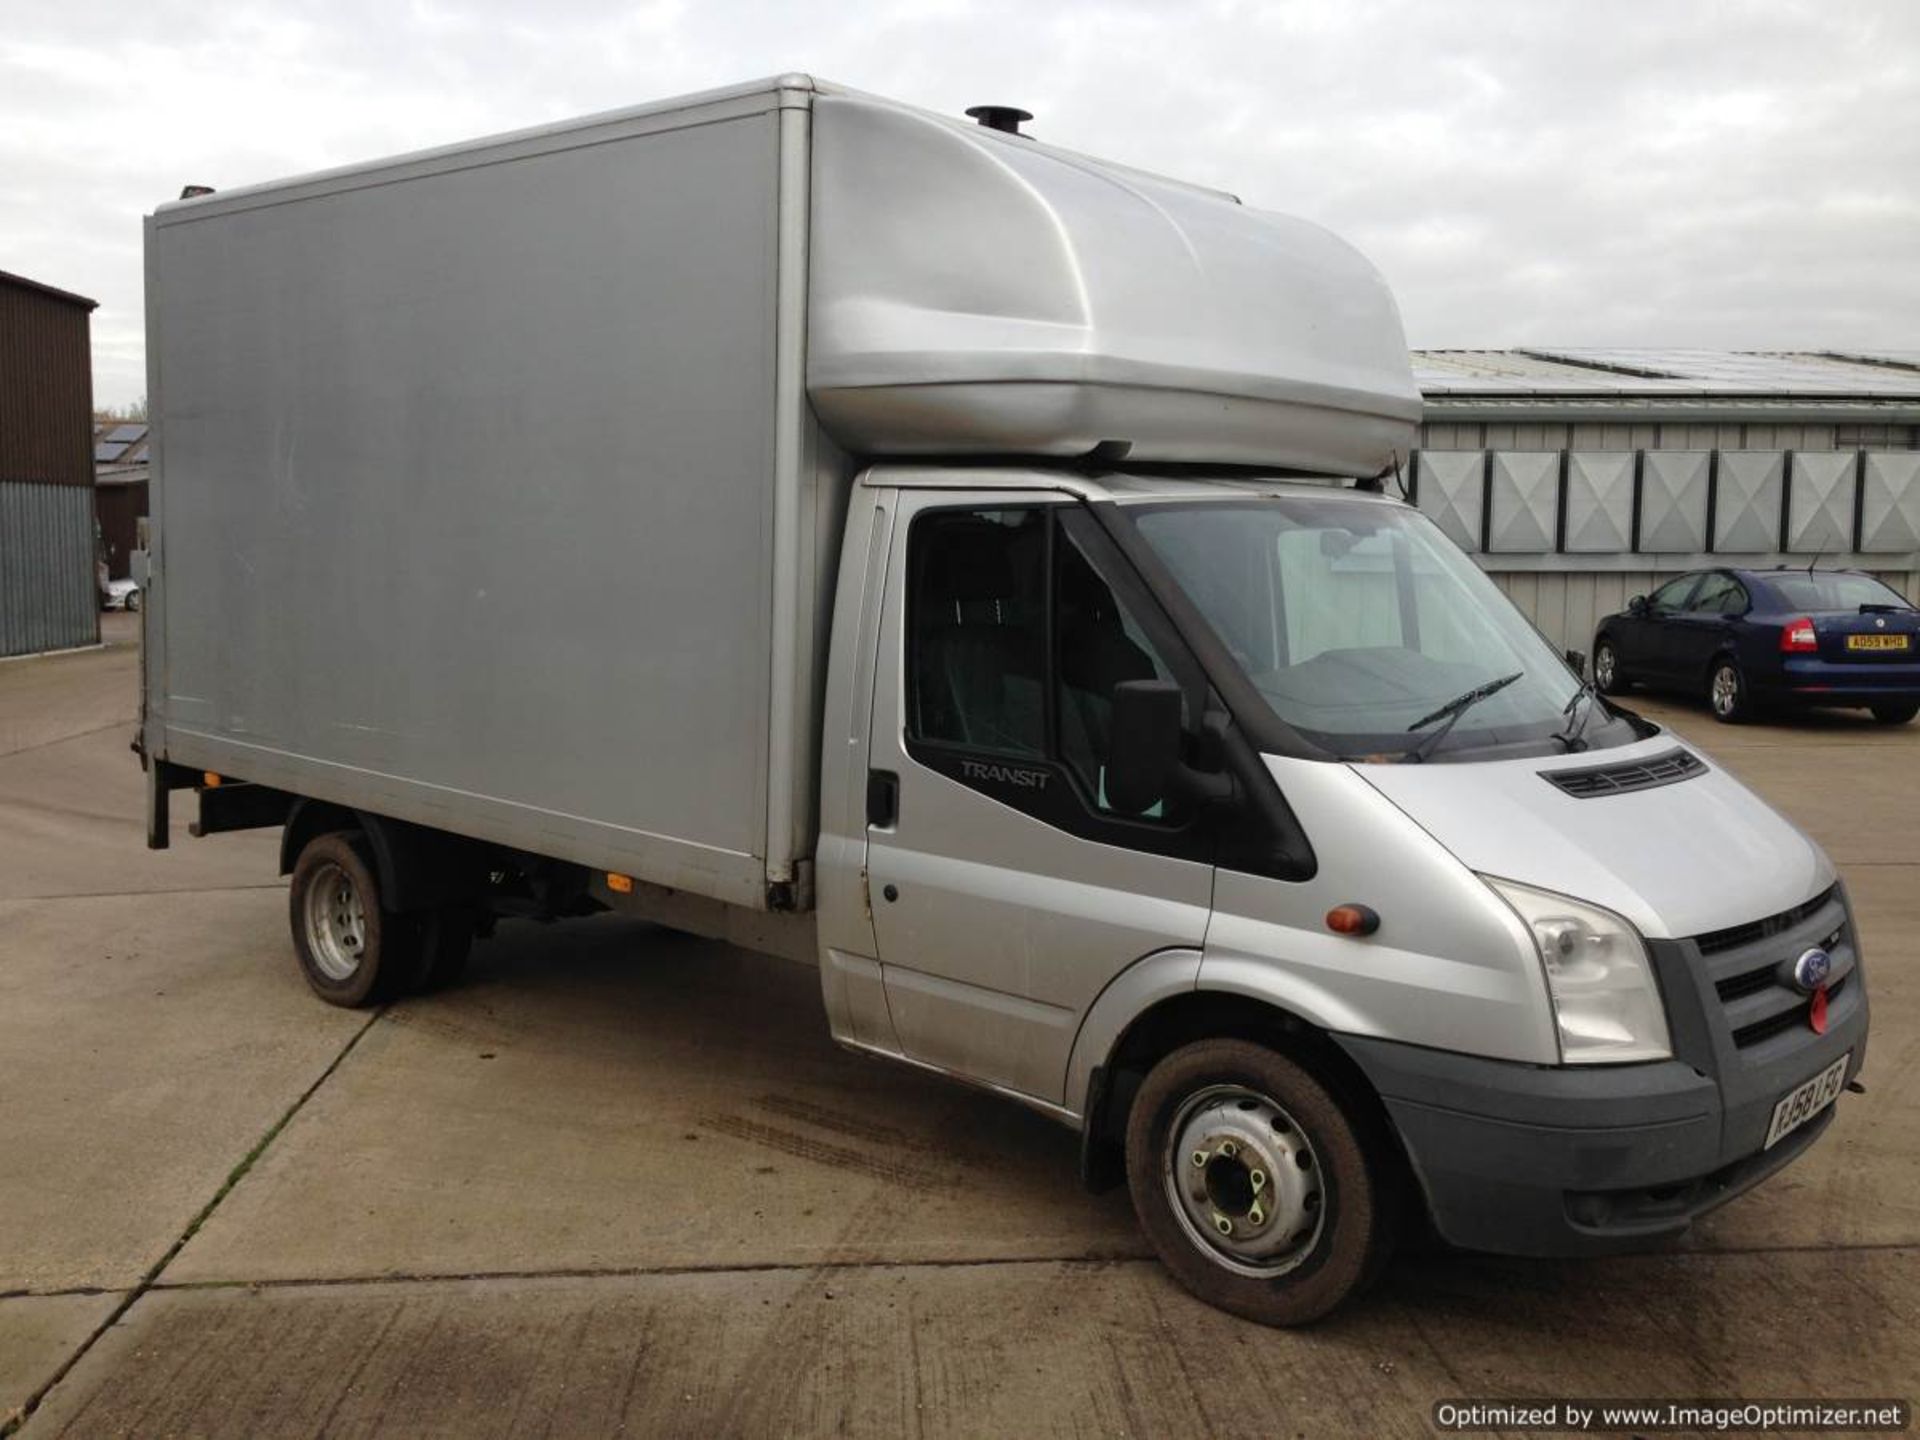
pixel 621 1181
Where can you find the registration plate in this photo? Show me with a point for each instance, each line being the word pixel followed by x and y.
pixel 1878 642
pixel 1803 1102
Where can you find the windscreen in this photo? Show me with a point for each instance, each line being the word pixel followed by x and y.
pixel 1357 620
pixel 1829 590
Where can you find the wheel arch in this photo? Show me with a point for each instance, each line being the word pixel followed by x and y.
pixel 417 867
pixel 1196 1014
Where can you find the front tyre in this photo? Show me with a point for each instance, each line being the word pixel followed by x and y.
pixel 1254 1184
pixel 351 951
pixel 1727 692
pixel 1897 713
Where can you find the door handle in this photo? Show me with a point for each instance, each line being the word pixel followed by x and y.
pixel 883 798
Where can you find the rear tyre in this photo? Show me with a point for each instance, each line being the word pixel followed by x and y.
pixel 1607 678
pixel 444 939
pixel 1254 1183
pixel 352 952
pixel 1896 714
pixel 1727 692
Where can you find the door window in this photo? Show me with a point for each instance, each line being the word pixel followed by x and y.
pixel 1017 636
pixel 1719 595
pixel 977 612
pixel 1671 596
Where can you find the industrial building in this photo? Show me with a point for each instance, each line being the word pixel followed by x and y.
pixel 1580 477
pixel 120 454
pixel 49 598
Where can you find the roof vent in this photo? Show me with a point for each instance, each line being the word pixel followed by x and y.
pixel 1005 118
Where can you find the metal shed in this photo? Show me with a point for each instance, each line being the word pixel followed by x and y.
pixel 48 598
pixel 1579 477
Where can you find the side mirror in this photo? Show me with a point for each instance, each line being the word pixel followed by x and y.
pixel 1143 750
pixel 1637 605
pixel 1577 662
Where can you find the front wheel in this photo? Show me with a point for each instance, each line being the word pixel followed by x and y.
pixel 1897 713
pixel 1727 692
pixel 1607 678
pixel 1254 1184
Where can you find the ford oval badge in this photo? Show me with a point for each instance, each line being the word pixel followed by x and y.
pixel 1810 971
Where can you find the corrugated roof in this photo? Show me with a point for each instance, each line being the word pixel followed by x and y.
pixel 1607 371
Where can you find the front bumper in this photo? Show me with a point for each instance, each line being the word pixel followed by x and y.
pixel 1590 1160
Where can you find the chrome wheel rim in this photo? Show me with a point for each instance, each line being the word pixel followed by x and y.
pixel 1244 1180
pixel 336 922
pixel 1726 690
pixel 1603 667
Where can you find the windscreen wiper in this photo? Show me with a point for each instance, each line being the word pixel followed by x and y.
pixel 1577 726
pixel 1451 713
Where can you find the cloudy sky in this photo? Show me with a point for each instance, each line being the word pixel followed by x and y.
pixel 1525 171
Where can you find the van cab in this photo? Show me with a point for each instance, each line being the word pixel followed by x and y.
pixel 1249 828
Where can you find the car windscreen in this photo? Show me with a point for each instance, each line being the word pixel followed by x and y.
pixel 1832 590
pixel 1356 619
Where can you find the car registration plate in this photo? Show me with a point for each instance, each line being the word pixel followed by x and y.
pixel 1803 1102
pixel 1878 642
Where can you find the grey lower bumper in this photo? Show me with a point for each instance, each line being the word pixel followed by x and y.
pixel 1536 1160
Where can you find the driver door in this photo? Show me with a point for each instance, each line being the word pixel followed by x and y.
pixel 1006 893
pixel 1657 637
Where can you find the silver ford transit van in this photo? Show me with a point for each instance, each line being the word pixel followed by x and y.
pixel 979 571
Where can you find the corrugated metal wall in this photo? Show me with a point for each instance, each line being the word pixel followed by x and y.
pixel 1571 534
pixel 46 387
pixel 47 599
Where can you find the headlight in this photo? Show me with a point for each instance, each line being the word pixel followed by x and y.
pixel 1605 1002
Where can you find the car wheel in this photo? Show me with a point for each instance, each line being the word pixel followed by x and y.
pixel 133 600
pixel 1254 1184
pixel 352 952
pixel 1727 691
pixel 1607 678
pixel 1896 714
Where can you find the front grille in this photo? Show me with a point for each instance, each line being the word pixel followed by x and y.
pixel 1751 982
pixel 1734 936
pixel 1785 1020
pixel 1591 782
pixel 1750 967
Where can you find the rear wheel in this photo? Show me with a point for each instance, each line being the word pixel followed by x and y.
pixel 1898 713
pixel 1254 1184
pixel 1607 678
pixel 1727 691
pixel 352 952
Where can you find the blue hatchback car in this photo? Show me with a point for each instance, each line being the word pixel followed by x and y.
pixel 1749 639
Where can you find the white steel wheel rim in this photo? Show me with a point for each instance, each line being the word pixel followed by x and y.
pixel 1726 689
pixel 1603 667
pixel 1243 1180
pixel 336 922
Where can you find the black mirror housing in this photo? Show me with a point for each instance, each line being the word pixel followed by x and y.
pixel 1143 749
pixel 1637 605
